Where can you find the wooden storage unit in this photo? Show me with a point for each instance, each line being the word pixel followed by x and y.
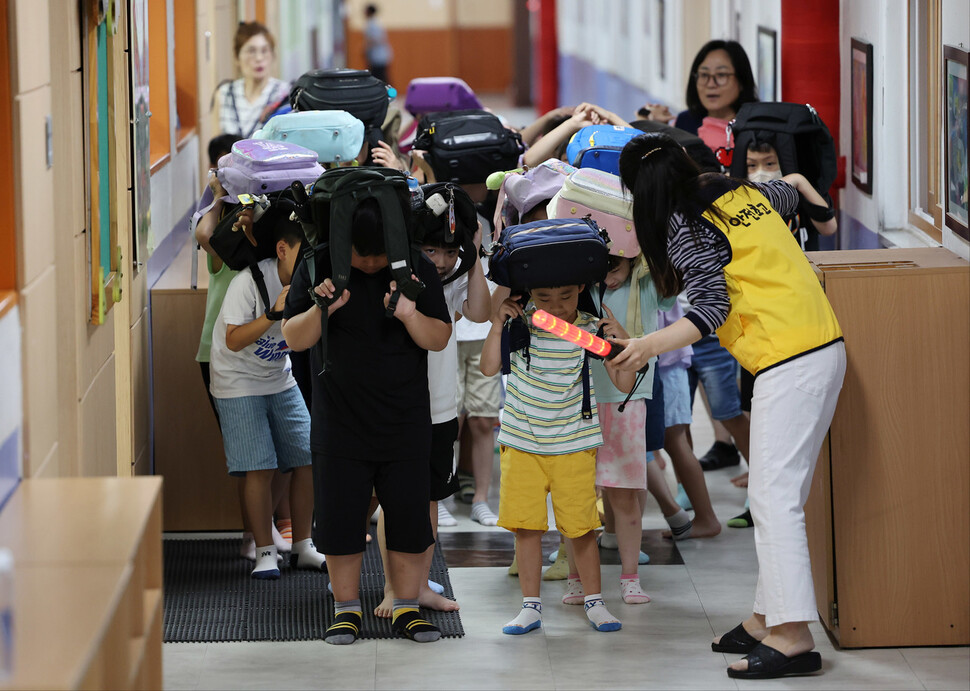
pixel 199 494
pixel 887 519
pixel 88 583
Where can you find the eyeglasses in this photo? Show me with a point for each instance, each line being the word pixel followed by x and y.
pixel 252 51
pixel 719 78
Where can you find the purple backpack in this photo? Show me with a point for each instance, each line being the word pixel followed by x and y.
pixel 256 166
pixel 432 94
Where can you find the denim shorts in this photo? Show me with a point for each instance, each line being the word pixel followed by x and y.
pixel 655 427
pixel 265 432
pixel 676 395
pixel 717 370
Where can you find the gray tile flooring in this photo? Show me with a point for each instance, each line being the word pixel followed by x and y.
pixel 663 644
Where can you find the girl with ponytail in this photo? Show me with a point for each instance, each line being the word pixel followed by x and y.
pixel 724 242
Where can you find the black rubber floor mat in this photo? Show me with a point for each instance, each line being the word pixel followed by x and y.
pixel 210 597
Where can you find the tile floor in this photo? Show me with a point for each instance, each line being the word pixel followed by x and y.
pixel 663 644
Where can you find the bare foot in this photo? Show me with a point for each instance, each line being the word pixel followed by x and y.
pixel 385 610
pixel 740 481
pixel 699 530
pixel 429 599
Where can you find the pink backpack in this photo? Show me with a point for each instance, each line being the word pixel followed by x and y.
pixel 523 191
pixel 592 192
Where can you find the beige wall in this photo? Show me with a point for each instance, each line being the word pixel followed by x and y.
pixel 76 377
pixel 431 14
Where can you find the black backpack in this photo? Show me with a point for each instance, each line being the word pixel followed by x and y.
pixel 800 138
pixel 466 146
pixel 356 91
pixel 327 217
pixel 238 253
pixel 448 213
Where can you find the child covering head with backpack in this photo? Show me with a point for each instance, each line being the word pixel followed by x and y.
pixel 449 227
pixel 264 420
pixel 371 420
pixel 548 445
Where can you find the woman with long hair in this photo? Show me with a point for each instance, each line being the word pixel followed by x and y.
pixel 724 241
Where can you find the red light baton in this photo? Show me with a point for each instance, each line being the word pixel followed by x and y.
pixel 572 333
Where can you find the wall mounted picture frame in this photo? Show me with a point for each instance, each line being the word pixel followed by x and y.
pixel 767 64
pixel 956 66
pixel 861 88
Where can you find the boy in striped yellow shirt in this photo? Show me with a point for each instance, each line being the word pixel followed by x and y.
pixel 548 445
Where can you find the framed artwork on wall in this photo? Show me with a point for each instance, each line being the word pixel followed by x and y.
pixel 861 60
pixel 956 64
pixel 767 64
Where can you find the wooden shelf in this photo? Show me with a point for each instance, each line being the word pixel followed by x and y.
pixel 88 583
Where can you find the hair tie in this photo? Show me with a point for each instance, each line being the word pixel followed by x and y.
pixel 649 152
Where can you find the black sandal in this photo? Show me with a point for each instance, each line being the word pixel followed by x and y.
pixel 768 663
pixel 737 641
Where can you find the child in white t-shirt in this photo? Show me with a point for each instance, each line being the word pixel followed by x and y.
pixel 265 423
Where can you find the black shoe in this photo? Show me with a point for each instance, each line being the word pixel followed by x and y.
pixel 768 663
pixel 737 641
pixel 719 456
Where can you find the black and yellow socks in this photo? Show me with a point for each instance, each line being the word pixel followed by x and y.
pixel 407 621
pixel 346 623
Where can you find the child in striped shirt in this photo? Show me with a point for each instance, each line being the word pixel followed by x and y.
pixel 548 445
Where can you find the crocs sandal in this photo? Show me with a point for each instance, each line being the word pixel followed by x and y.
pixel 737 641
pixel 768 663
pixel 410 625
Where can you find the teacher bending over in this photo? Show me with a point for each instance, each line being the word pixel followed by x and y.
pixel 724 241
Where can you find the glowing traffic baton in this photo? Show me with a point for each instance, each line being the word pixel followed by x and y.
pixel 572 333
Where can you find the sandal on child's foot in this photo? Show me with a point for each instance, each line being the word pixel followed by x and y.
pixel 344 630
pixel 410 625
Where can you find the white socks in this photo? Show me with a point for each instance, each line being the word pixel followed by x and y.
pixel 281 544
pixel 529 618
pixel 482 514
pixel 445 519
pixel 574 591
pixel 266 564
pixel 306 556
pixel 631 591
pixel 608 540
pixel 600 617
pixel 680 525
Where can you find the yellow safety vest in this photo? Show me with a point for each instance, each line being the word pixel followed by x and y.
pixel 778 309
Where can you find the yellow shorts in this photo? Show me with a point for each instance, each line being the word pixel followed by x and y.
pixel 526 480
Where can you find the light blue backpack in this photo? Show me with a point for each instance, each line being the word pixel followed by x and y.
pixel 335 135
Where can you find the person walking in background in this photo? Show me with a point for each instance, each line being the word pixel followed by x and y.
pixel 376 48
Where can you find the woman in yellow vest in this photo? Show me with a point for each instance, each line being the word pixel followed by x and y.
pixel 724 241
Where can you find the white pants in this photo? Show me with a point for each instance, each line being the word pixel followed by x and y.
pixel 791 411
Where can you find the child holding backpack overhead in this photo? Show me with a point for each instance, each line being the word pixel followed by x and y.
pixel 265 423
pixel 466 294
pixel 371 420
pixel 548 445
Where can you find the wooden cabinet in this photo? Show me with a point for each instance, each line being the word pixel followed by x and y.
pixel 887 518
pixel 87 581
pixel 199 494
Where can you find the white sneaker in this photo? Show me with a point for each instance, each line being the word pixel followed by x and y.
pixel 445 519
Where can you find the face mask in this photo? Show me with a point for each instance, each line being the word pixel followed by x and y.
pixel 764 175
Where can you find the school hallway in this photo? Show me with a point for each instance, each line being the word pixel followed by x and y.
pixel 664 644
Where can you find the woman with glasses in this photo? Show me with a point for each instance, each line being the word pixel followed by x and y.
pixel 246 102
pixel 720 81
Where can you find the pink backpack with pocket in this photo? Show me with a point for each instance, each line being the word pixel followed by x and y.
pixel 600 195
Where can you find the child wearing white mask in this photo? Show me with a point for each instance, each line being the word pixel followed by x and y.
pixel 763 166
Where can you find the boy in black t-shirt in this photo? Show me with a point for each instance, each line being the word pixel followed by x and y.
pixel 371 420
